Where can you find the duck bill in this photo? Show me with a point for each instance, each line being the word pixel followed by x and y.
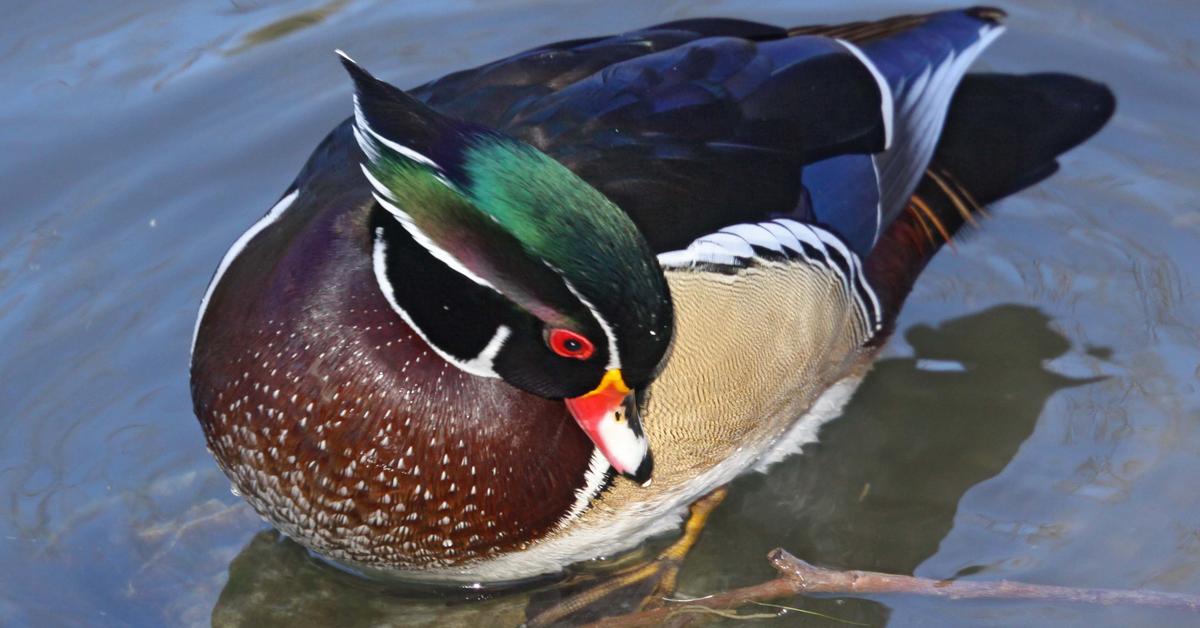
pixel 609 416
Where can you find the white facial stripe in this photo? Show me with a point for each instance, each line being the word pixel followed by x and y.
pixel 425 241
pixel 369 148
pixel 485 361
pixel 887 106
pixel 625 448
pixel 481 365
pixel 614 354
pixel 275 212
pixel 360 121
pixel 380 188
pixel 403 150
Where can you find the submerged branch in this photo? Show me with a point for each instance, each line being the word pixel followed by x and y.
pixel 797 577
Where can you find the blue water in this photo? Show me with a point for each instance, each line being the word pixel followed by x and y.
pixel 141 138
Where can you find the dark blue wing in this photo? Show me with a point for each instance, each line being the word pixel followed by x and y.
pixel 707 134
pixel 922 67
pixel 844 196
pixel 695 125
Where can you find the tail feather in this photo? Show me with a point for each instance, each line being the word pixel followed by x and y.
pixel 1003 134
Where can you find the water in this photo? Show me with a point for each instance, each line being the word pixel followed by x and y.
pixel 1037 417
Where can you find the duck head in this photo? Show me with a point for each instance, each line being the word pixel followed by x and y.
pixel 509 265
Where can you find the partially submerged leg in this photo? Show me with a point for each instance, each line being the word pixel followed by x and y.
pixel 663 571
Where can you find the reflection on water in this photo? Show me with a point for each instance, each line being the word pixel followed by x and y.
pixel 136 149
pixel 879 491
pixel 287 25
pixel 881 488
pixel 275 582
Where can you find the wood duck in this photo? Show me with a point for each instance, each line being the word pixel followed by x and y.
pixel 524 315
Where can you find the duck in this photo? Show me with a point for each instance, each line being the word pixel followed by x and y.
pixel 526 314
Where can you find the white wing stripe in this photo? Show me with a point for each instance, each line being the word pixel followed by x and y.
pixel 887 102
pixel 878 203
pixel 921 107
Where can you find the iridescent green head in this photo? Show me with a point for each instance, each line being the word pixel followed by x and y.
pixel 509 265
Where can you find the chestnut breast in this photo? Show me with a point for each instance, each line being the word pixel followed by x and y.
pixel 342 427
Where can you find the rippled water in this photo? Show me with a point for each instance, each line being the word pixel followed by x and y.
pixel 1037 418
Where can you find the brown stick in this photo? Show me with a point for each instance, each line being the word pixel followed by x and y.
pixel 798 577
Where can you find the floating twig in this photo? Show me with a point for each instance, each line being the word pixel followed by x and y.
pixel 797 577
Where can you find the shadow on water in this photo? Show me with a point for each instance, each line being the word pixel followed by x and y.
pixel 879 491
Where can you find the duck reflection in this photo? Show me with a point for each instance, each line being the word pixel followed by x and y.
pixel 879 491
pixel 276 582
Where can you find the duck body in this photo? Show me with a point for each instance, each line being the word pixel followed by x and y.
pixel 770 175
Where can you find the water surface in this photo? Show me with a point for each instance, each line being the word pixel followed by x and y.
pixel 1036 418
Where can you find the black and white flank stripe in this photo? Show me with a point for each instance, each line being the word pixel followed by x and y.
pixel 741 246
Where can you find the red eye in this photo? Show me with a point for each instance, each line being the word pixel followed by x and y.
pixel 569 344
